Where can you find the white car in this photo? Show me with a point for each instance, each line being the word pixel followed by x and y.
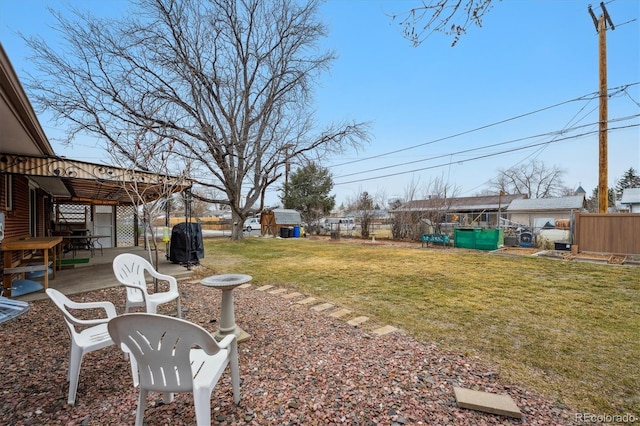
pixel 251 224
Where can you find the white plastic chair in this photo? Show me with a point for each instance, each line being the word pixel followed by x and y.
pixel 174 355
pixel 130 271
pixel 94 334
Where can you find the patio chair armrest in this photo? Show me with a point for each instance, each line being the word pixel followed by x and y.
pixel 84 323
pixel 173 283
pixel 109 307
pixel 227 341
pixel 138 288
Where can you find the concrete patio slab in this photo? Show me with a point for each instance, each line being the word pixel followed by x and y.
pixel 307 301
pixel 98 273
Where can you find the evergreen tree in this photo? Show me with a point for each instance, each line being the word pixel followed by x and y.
pixel 592 203
pixel 308 192
pixel 631 179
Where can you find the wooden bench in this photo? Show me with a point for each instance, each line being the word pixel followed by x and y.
pixel 435 238
pixel 26 268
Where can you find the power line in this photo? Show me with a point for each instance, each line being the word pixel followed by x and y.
pixel 498 144
pixel 590 96
pixel 483 156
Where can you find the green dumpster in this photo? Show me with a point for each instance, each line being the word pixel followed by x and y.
pixel 478 238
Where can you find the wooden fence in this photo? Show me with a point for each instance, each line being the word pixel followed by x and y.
pixel 617 233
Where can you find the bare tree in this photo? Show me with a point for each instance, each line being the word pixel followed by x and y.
pixel 228 82
pixel 198 207
pixel 451 17
pixel 438 195
pixel 405 217
pixel 533 179
pixel 148 151
pixel 416 216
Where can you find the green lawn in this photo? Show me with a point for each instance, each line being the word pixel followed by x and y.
pixel 568 330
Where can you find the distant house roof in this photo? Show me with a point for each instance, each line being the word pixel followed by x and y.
pixel 462 204
pixel 574 202
pixel 630 196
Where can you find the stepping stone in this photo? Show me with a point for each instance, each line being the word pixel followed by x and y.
pixel 385 330
pixel 292 295
pixel 339 313
pixel 245 285
pixel 306 301
pixel 264 287
pixel 487 402
pixel 322 307
pixel 278 291
pixel 357 321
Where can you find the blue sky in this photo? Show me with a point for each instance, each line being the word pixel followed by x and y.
pixel 528 56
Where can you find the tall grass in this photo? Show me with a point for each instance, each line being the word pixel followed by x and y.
pixel 567 330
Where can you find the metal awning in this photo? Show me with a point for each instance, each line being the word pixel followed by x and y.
pixel 77 182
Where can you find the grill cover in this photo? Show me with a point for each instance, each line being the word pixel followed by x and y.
pixel 186 243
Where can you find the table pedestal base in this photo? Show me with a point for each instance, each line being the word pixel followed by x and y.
pixel 241 335
pixel 227 324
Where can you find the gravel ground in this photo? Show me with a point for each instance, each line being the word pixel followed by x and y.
pixel 300 367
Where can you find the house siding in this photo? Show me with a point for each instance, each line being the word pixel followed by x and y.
pixel 528 219
pixel 17 219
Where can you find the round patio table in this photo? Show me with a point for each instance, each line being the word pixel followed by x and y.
pixel 226 283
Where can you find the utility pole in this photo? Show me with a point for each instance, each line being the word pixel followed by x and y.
pixel 601 28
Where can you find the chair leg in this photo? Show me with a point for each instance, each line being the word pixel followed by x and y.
pixel 142 404
pixel 152 308
pixel 134 369
pixel 75 361
pixel 179 308
pixel 202 405
pixel 235 372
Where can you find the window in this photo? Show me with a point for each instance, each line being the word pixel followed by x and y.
pixel 8 192
pixel 33 213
